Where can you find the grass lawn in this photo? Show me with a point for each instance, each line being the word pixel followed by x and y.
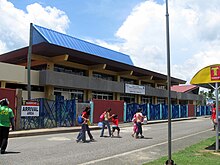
pixel 202 153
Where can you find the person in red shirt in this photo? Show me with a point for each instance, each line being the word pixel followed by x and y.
pixel 115 125
pixel 85 126
pixel 213 116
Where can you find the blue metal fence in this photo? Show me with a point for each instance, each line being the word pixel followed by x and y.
pixel 58 113
pixel 159 111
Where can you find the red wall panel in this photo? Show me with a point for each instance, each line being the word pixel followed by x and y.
pixel 191 111
pixel 10 94
pixel 101 105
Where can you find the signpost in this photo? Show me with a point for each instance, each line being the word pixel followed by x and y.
pixel 209 77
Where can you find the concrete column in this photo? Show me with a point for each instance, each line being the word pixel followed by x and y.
pixel 166 100
pixel 89 73
pixel 89 95
pixel 155 100
pixel 50 66
pixel 49 92
pixel 177 101
pixel 138 99
pixel 118 78
pixel 84 95
pixel 3 84
pixel 117 95
pixel 139 96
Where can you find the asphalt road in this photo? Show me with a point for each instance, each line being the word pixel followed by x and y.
pixel 60 149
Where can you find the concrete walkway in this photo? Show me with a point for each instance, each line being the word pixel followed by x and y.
pixel 35 132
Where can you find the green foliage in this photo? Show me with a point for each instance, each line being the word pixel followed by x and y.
pixel 194 155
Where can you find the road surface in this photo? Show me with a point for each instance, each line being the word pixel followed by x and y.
pixel 62 149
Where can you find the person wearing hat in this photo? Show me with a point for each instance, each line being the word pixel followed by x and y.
pixel 6 119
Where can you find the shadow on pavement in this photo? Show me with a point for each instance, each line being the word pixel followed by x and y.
pixel 11 152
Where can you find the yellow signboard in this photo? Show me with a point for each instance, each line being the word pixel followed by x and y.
pixel 207 75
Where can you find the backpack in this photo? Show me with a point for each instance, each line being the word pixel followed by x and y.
pixel 80 119
pixel 102 116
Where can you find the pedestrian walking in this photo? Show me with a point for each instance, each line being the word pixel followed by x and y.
pixel 85 127
pixel 115 125
pixel 6 119
pixel 213 116
pixel 105 122
pixel 134 125
pixel 139 119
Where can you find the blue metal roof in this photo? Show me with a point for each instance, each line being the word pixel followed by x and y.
pixel 41 34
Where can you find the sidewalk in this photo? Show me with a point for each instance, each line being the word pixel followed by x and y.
pixel 35 132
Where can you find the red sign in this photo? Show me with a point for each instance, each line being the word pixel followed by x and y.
pixel 32 103
pixel 215 72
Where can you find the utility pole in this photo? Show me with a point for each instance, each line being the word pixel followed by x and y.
pixel 29 62
pixel 169 161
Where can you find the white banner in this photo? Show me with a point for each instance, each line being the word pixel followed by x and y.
pixel 135 89
pixel 29 110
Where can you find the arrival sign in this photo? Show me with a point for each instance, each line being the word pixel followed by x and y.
pixel 31 108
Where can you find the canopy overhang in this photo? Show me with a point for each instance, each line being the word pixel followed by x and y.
pixel 207 77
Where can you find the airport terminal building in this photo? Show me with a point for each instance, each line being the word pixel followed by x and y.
pixel 73 68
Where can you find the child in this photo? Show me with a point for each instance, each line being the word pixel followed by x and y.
pixel 115 124
pixel 134 125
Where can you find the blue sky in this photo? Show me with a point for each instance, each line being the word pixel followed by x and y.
pixel 133 27
pixel 90 18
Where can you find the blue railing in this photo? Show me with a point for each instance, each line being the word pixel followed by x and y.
pixel 159 111
pixel 58 113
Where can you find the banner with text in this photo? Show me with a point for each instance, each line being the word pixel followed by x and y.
pixel 135 89
pixel 31 108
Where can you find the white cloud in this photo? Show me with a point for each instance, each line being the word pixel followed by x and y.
pixel 194 33
pixel 15 23
pixel 194 36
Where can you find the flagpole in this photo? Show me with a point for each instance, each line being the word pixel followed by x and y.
pixel 29 62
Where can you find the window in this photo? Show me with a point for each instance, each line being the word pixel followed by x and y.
pixel 128 98
pixel 161 100
pixel 127 81
pixel 146 100
pixel 161 87
pixel 147 84
pixel 102 96
pixel 78 95
pixel 103 76
pixel 69 70
pixel 69 93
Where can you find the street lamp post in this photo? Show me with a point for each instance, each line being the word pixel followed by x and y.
pixel 29 63
pixel 169 161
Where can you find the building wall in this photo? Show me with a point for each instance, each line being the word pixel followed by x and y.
pixel 17 74
pixel 12 73
pixel 34 94
pixel 81 82
pixel 50 79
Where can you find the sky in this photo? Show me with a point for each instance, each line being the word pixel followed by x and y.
pixel 134 27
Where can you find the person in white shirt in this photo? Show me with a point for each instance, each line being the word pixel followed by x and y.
pixel 139 119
